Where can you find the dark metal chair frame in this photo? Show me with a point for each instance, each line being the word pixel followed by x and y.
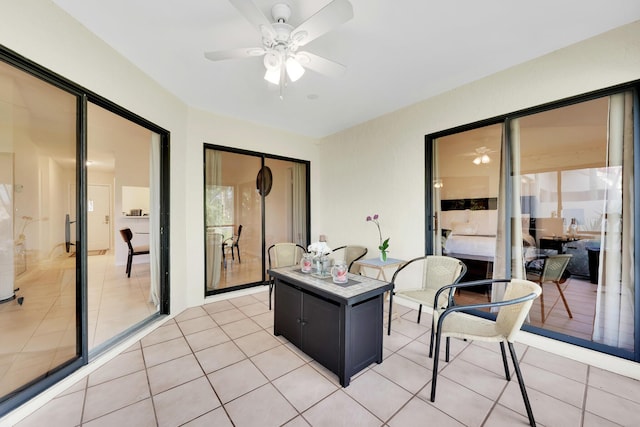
pixel 127 235
pixel 232 242
pixel 450 300
pixel 470 307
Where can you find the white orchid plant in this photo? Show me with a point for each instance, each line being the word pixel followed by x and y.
pixel 319 248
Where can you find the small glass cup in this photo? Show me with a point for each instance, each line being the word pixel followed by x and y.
pixel 339 272
pixel 306 263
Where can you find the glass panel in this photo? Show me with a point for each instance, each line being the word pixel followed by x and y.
pixel 122 194
pixel 286 203
pixel 38 311
pixel 466 179
pixel 233 220
pixel 574 176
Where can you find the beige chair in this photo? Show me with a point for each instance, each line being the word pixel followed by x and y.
pixel 214 259
pixel 352 253
pixel 437 271
pixel 553 268
pixel 455 322
pixel 127 235
pixel 283 255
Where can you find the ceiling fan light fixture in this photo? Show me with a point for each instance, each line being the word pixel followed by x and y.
pixel 294 69
pixel 476 161
pixel 272 75
pixel 485 158
pixel 272 61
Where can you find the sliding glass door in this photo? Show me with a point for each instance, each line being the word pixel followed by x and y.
pixel 560 185
pixel 465 192
pixel 576 166
pixel 233 220
pixel 73 168
pixel 39 304
pixel 123 182
pixel 251 201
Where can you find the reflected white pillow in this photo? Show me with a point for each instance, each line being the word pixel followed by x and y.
pixel 487 222
pixel 464 228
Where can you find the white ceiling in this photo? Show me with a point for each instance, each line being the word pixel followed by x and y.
pixel 397 52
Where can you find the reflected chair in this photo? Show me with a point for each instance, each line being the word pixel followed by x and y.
pixel 283 255
pixel 127 235
pixel 230 243
pixel 437 271
pixel 553 268
pixel 352 253
pixel 454 321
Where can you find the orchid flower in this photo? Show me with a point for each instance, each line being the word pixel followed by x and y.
pixel 384 244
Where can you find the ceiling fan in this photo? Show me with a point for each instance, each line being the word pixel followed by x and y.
pixel 280 40
pixel 481 155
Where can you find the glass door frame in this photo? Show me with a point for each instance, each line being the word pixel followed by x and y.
pixel 83 96
pixel 262 157
pixel 505 120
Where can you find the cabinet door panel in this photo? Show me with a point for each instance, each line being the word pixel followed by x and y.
pixel 287 313
pixel 321 331
pixel 364 335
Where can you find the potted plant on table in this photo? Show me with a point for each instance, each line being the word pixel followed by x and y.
pixel 384 244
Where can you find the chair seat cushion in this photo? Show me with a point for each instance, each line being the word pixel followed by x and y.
pixel 466 326
pixel 141 249
pixel 423 296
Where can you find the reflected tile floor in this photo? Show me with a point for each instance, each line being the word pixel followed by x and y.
pixel 220 365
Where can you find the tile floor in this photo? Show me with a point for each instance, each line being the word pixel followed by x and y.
pixel 40 334
pixel 220 365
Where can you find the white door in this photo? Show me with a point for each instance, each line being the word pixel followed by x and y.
pixel 98 217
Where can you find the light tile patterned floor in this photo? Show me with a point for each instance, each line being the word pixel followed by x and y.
pixel 220 365
pixel 41 333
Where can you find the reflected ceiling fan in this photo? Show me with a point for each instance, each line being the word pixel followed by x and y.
pixel 280 40
pixel 481 155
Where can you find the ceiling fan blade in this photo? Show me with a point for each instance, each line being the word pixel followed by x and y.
pixel 320 65
pixel 245 52
pixel 250 11
pixel 332 15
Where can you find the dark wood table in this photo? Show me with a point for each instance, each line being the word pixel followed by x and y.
pixel 338 325
pixel 556 243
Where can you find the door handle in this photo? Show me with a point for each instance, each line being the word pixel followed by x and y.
pixel 67 233
pixel 106 219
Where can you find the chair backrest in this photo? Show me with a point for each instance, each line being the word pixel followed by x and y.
pixel 554 267
pixel 440 271
pixel 238 235
pixel 284 254
pixel 127 235
pixel 511 317
pixel 352 253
